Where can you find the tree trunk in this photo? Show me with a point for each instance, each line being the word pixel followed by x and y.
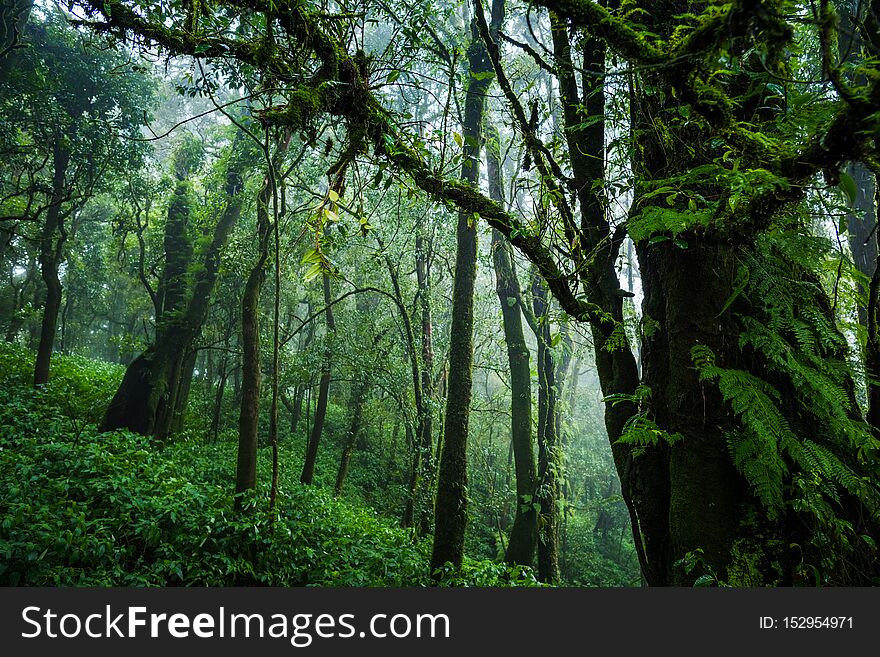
pixel 450 517
pixel 524 534
pixel 51 253
pixel 249 415
pixel 218 401
pixel 142 399
pixel 548 447
pixel 426 437
pixel 358 397
pixel 308 473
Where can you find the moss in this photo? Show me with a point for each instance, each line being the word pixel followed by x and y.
pixel 755 557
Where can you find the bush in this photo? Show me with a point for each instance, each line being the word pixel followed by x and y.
pixel 84 508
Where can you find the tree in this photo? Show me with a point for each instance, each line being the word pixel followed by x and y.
pixel 450 515
pixel 730 471
pixel 248 421
pixel 144 401
pixel 524 533
pixel 75 120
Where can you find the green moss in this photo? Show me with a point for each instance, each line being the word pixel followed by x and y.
pixel 755 557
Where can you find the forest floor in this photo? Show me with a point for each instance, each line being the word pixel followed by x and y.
pixel 85 508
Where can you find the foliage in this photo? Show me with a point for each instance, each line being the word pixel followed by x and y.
pixel 84 508
pixel 795 341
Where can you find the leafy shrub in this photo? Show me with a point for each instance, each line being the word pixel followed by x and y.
pixel 84 508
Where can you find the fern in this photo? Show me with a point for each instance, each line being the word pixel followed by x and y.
pixel 757 450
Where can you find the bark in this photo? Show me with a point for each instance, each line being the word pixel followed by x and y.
pixel 249 414
pixel 426 435
pixel 218 401
pixel 412 510
pixel 548 447
pixel 358 397
pixel 524 533
pixel 872 348
pixel 450 517
pixel 308 473
pixel 182 390
pixel 294 407
pixel 142 400
pixel 644 482
pixel 52 242
pixel 689 497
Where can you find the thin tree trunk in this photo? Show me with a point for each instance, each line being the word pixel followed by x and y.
pixel 308 472
pixel 451 506
pixel 184 385
pixel 249 415
pixel 426 437
pixel 51 252
pixel 548 447
pixel 358 397
pixel 524 534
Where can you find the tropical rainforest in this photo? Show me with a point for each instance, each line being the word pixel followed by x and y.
pixel 439 293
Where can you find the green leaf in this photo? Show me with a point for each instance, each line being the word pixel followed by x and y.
pixel 313 272
pixel 392 77
pixel 848 187
pixel 704 580
pixel 739 284
pixel 311 256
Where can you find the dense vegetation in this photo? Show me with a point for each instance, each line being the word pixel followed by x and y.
pixel 369 292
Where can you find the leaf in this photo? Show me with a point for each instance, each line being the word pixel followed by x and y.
pixel 392 77
pixel 739 284
pixel 333 195
pixel 311 256
pixel 704 580
pixel 848 187
pixel 458 139
pixel 313 272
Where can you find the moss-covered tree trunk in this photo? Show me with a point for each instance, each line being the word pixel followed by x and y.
pixel 52 240
pixel 142 400
pixel 450 517
pixel 425 489
pixel 524 533
pixel 249 412
pixel 549 461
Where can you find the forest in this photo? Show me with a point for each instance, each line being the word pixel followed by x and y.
pixel 421 293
